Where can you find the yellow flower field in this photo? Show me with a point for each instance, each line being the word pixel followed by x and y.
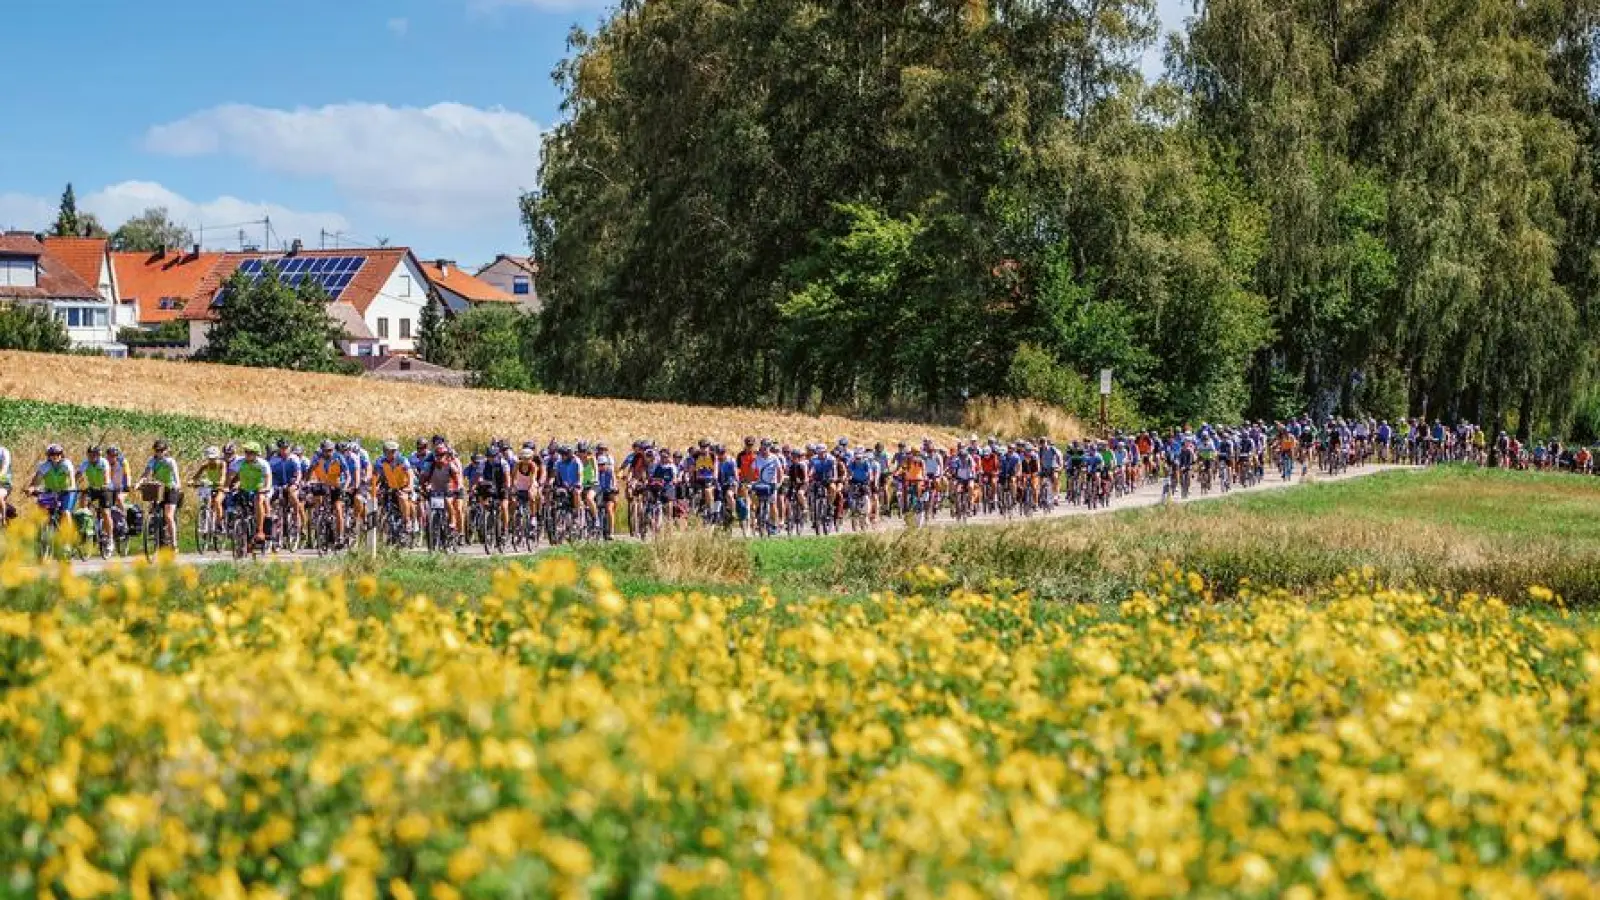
pixel 557 737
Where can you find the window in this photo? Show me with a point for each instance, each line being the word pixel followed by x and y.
pixel 405 285
pixel 521 285
pixel 405 328
pixel 83 316
pixel 383 328
pixel 18 271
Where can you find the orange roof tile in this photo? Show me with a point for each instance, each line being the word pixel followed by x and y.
pixel 82 255
pixel 459 282
pixel 57 281
pixel 165 285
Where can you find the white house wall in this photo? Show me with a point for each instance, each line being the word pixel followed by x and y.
pixel 403 296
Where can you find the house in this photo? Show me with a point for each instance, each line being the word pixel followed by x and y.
pixel 515 275
pixel 90 259
pixel 31 272
pixel 459 291
pixel 384 287
pixel 158 285
pixel 410 369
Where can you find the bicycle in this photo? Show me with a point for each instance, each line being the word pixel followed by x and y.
pixel 54 504
pixel 156 535
pixel 208 529
pixel 441 537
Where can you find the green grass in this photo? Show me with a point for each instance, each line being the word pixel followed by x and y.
pixel 1459 530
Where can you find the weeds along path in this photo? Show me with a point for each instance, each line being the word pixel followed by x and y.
pixel 1146 496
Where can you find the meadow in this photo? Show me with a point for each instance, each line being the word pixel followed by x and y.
pixel 856 717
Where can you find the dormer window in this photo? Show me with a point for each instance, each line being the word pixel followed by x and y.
pixel 19 271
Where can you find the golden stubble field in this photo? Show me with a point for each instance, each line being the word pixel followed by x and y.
pixel 341 405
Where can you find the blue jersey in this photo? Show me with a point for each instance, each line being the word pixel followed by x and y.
pixel 728 473
pixel 569 473
pixel 285 470
pixel 824 468
pixel 861 470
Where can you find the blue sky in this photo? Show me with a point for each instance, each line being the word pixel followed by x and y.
pixel 415 120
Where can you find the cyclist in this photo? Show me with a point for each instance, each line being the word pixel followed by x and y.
pixel 208 481
pixel 361 476
pixel 5 484
pixel 567 475
pixel 606 485
pixel 769 474
pixel 964 469
pixel 251 482
pixel 526 476
pixel 728 483
pixel 96 475
pixel 393 476
pixel 445 479
pixel 331 479
pixel 287 476
pixel 56 476
pixel 162 469
pixel 589 472
pixel 825 472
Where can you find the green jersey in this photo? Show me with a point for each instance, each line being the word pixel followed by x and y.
pixel 163 470
pixel 56 477
pixel 254 477
pixel 96 474
pixel 591 474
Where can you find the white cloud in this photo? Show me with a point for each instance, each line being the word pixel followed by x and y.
pixel 117 203
pixel 25 212
pixel 399 27
pixel 447 165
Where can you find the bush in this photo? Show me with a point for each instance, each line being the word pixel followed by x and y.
pixel 28 327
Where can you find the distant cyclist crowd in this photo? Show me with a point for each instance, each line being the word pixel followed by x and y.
pixel 249 499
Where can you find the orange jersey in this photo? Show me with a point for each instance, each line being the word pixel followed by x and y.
pixel 914 469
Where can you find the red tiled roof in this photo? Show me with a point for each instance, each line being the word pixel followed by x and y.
pixel 84 256
pixel 57 281
pixel 177 277
pixel 467 286
pixel 364 287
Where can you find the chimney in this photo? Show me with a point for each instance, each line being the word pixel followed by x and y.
pixel 196 251
pixel 444 266
pixel 296 246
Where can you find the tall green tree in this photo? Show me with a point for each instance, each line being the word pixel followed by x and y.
pixel 73 222
pixel 149 231
pixel 266 323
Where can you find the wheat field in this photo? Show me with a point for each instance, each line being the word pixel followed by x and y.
pixel 349 406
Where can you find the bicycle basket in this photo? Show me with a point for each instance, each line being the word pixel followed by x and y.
pixel 149 492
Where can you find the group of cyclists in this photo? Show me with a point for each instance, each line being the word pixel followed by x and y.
pixel 327 497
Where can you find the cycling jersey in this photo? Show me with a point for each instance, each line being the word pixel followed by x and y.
pixel 331 471
pixel 568 472
pixel 211 473
pixel 254 477
pixel 590 473
pixel 915 469
pixel 394 474
pixel 768 470
pixel 5 467
pixel 163 470
pixel 96 474
pixel 55 477
pixel 285 470
pixel 861 471
pixel 727 473
pixel 824 468
pixel 524 475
